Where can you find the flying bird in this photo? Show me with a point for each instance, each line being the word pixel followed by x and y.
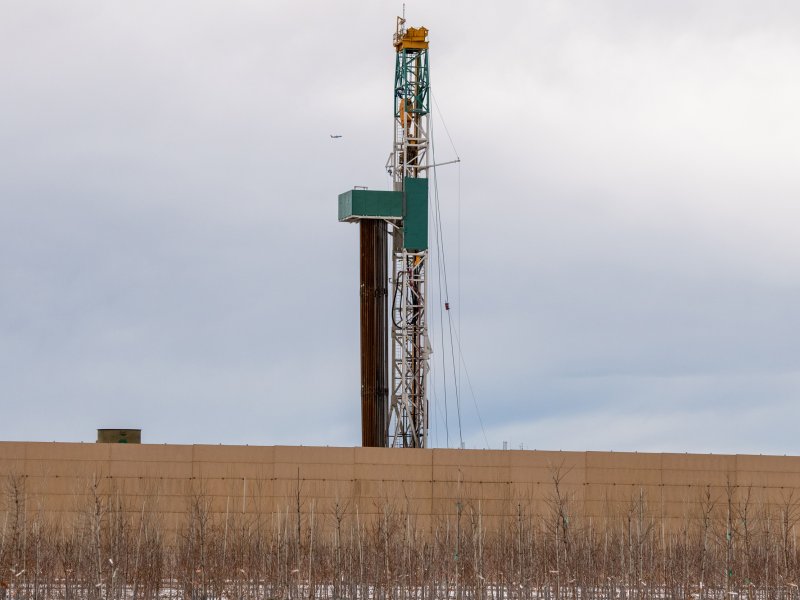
pixel 335 136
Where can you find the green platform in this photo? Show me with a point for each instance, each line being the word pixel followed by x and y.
pixel 410 207
pixel 355 205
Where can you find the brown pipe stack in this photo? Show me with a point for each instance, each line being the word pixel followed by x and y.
pixel 374 329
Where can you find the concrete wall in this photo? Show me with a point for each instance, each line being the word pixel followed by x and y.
pixel 427 483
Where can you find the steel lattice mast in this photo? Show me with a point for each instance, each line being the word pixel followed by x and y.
pixel 408 425
pixel 397 416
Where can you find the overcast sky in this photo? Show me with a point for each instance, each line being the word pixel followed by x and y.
pixel 621 236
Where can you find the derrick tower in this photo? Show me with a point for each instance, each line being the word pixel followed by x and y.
pixel 397 415
pixel 409 161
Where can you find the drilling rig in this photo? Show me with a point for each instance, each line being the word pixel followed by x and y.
pixel 396 415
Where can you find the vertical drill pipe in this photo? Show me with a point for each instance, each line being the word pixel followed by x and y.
pixel 374 329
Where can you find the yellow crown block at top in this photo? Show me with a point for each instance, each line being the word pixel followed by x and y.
pixel 414 38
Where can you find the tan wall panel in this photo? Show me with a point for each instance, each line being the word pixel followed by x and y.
pixel 547 459
pixel 470 458
pixel 318 488
pixel 622 476
pixel 547 475
pixel 697 477
pixel 314 471
pixel 487 491
pixel 456 474
pixel 126 486
pixel 628 493
pixel 150 469
pixel 234 454
pixel 169 486
pixel 450 506
pixel 789 464
pixel 381 489
pixel 312 454
pixel 393 506
pixel 56 451
pixel 529 490
pixel 783 479
pixel 411 457
pixel 413 489
pixel 13 450
pixel 39 485
pixel 328 488
pixel 599 508
pixel 250 470
pixel 136 502
pixel 677 493
pixel 390 494
pixel 699 462
pixel 60 503
pixel 171 453
pixel 623 460
pixel 286 488
pixel 760 479
pixel 84 469
pixel 376 506
pixel 398 472
pixel 542 475
pixel 428 484
pixel 12 466
pixel 525 488
pixel 227 487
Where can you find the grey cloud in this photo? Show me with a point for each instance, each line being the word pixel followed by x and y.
pixel 170 256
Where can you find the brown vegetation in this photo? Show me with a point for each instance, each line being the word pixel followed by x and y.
pixel 727 544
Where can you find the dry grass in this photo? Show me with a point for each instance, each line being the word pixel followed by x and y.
pixel 727 545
